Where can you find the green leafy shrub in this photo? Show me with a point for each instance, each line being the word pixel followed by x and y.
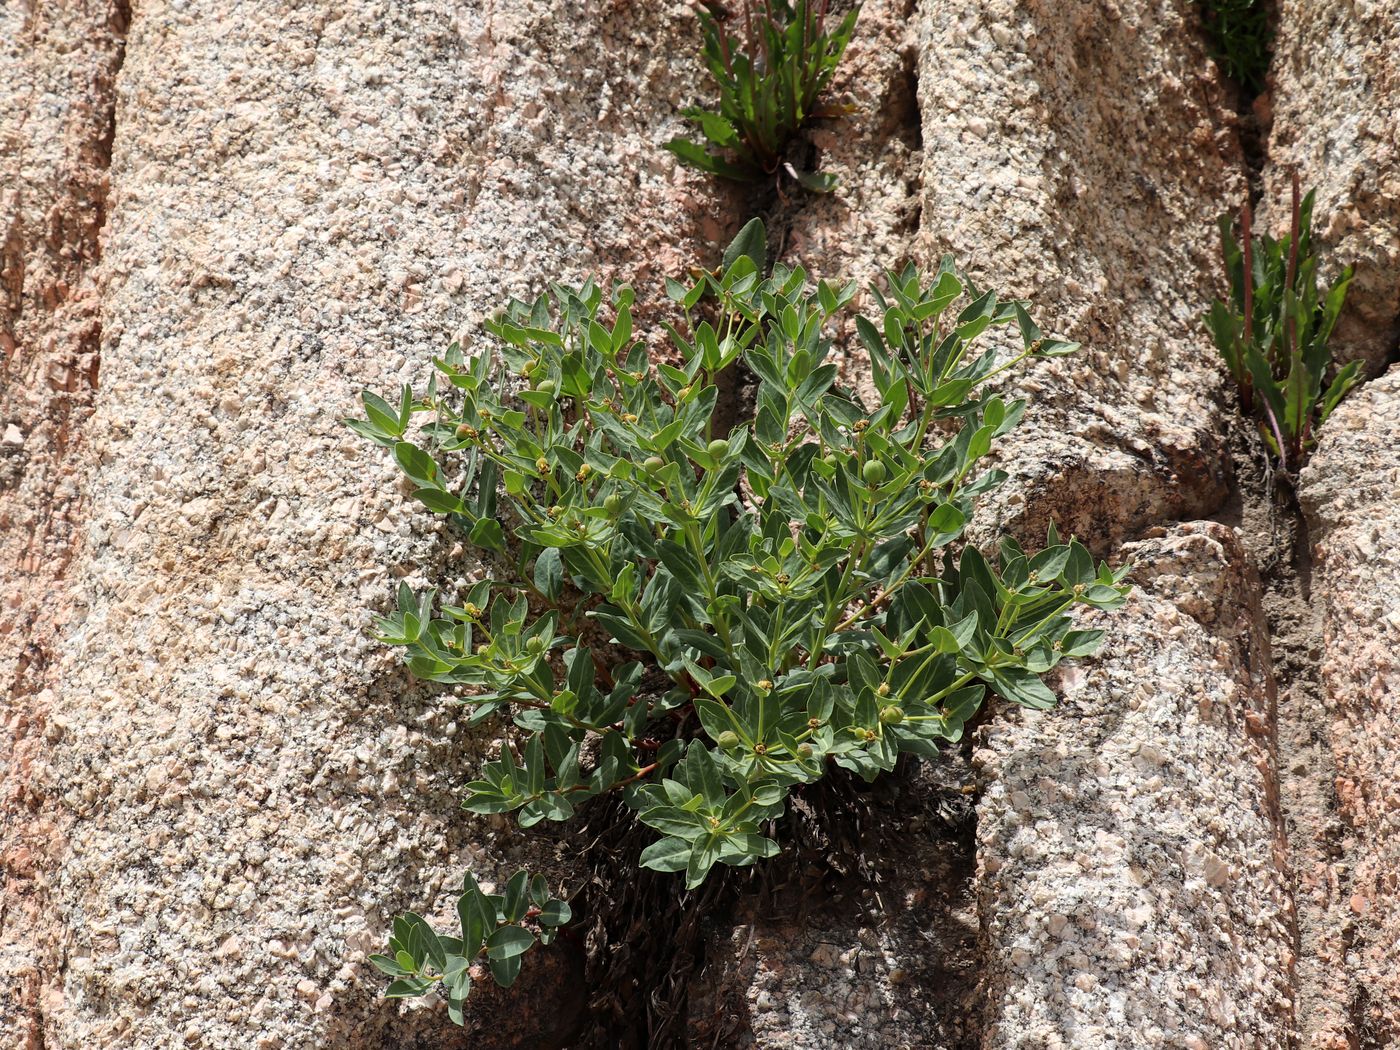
pixel 499 927
pixel 769 80
pixel 706 621
pixel 1273 332
pixel 1239 38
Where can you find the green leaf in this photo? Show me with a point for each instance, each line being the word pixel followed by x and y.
pixel 549 573
pixel 508 942
pixel 703 856
pixel 457 978
pixel 1029 330
pixel 948 519
pixel 695 156
pixel 487 533
pixel 668 854
pixel 389 966
pixel 714 716
pixel 477 917
pixel 407 988
pixel 1021 687
pixel 505 970
pixel 417 465
pixel 555 913
pixel 751 243
pixel 714 127
pixel 439 502
pixel 517 898
pixel 386 419
pixel 1079 566
pixel 1081 643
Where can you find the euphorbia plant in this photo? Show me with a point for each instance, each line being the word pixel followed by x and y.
pixel 706 621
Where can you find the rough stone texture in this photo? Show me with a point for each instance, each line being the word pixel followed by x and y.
pixel 306 200
pixel 1072 156
pixel 1336 91
pixel 1351 492
pixel 866 938
pixel 1129 855
pixel 56 103
pixel 868 223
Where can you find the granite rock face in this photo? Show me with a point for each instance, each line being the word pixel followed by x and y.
pixel 1073 157
pixel 1351 491
pixel 56 103
pixel 217 787
pixel 306 200
pixel 1336 81
pixel 1130 860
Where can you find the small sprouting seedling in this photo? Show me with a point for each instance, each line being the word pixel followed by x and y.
pixel 1273 333
pixel 771 72
pixel 497 928
pixel 703 622
pixel 1239 36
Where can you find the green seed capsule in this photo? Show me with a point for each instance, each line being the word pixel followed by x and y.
pixel 546 386
pixel 717 448
pixel 653 464
pixel 728 739
pixel 614 504
pixel 873 472
pixel 832 460
pixel 535 646
pixel 892 715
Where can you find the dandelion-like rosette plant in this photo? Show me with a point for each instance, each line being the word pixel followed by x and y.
pixel 1274 331
pixel 771 65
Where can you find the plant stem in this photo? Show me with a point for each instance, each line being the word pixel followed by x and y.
pixel 1247 236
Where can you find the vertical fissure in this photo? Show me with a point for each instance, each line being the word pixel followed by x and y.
pixel 660 971
pixel 50 353
pixel 1275 532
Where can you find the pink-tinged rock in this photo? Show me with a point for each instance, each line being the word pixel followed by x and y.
pixel 1076 155
pixel 1336 90
pixel 1351 492
pixel 1143 896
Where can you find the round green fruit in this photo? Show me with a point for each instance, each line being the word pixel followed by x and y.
pixel 728 739
pixel 873 472
pixel 614 505
pixel 653 464
pixel 718 448
pixel 892 716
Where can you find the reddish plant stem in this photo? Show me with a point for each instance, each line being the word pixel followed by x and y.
pixel 1291 320
pixel 1247 233
pixel 641 774
pixel 723 34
